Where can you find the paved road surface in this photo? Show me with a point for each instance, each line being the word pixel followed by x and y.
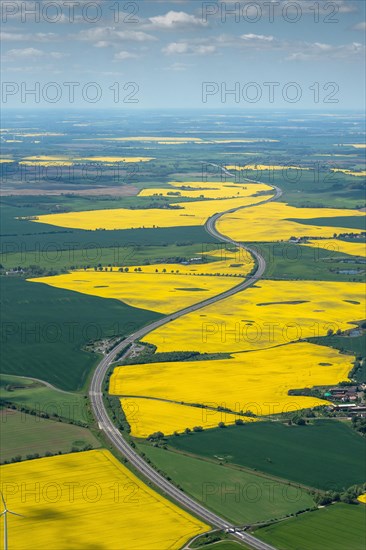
pixel 106 425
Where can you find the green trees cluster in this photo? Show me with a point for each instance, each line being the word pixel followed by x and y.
pixel 349 496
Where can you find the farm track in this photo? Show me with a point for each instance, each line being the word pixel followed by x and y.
pixel 106 425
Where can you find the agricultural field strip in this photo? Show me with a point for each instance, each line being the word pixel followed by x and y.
pixel 122 500
pixel 254 226
pixel 260 319
pixel 257 382
pixel 106 425
pixel 170 288
pixel 147 415
pixel 325 378
pixel 194 212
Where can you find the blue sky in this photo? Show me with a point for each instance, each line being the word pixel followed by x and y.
pixel 169 50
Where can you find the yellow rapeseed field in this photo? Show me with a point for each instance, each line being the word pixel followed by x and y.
pixel 270 222
pixel 258 140
pixel 262 167
pixel 207 190
pixel 256 381
pixel 265 315
pixel 47 157
pixel 238 263
pixel 40 134
pixel 353 248
pixel 153 139
pixel 3 161
pixel 362 498
pixel 350 172
pixel 89 500
pixel 45 160
pixel 167 292
pixel 358 145
pixel 184 214
pixel 115 159
pixel 146 416
pixel 46 163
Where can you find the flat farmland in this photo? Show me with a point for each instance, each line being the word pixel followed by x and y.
pixel 313 455
pixel 252 225
pixel 168 292
pixel 258 381
pixel 34 395
pixel 47 328
pixel 332 528
pixel 267 314
pixel 101 496
pixel 242 497
pixel 23 434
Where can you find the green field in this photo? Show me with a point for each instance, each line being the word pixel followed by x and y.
pixel 353 222
pixel 23 237
pixel 311 188
pixel 44 330
pixel 353 344
pixel 326 455
pixel 224 545
pixel 242 497
pixel 295 261
pixel 33 395
pixel 122 255
pixel 337 527
pixel 24 434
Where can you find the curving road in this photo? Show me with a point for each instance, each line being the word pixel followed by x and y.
pixel 106 425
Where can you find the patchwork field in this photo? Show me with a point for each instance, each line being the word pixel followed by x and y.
pixel 263 167
pixel 23 434
pixel 258 382
pixel 146 416
pixel 103 496
pixel 241 497
pixel 333 528
pixel 253 223
pixel 265 315
pixel 31 394
pixel 168 292
pixel 207 190
pixel 295 261
pixel 353 248
pixel 45 160
pixel 314 455
pixel 47 330
pixel 107 213
pixel 361 173
pixel 182 214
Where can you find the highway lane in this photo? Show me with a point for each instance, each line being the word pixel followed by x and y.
pixel 112 433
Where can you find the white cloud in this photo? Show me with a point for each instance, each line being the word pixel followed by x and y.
pixel 293 50
pixel 259 37
pixel 30 53
pixel 188 48
pixel 121 56
pixel 178 67
pixel 319 51
pixel 203 50
pixel 22 37
pixel 102 44
pixel 360 26
pixel 24 53
pixel 110 36
pixel 176 47
pixel 175 19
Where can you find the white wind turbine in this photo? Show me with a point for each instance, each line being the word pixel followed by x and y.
pixel 5 513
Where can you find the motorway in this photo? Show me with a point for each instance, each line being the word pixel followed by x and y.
pixel 115 436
